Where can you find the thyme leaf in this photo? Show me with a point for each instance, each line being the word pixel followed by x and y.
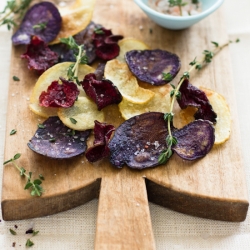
pixel 80 55
pixel 13 12
pixel 34 186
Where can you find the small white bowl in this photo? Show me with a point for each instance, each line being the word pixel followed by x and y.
pixel 179 22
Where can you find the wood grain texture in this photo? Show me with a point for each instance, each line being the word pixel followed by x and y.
pixel 213 187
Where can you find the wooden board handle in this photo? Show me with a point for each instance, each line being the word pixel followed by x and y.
pixel 123 214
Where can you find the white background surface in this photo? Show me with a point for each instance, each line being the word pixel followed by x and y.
pixel 75 229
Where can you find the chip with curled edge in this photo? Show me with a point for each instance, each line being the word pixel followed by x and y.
pixel 160 102
pixel 75 18
pixel 119 73
pixel 130 43
pixel 220 106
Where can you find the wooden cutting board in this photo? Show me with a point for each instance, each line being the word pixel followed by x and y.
pixel 213 187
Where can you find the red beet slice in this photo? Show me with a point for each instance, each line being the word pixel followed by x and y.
pixel 100 34
pixel 148 65
pixel 106 44
pixel 100 150
pixel 103 92
pixel 113 39
pixel 40 57
pixel 41 13
pixel 194 140
pixel 59 95
pixel 139 141
pixel 108 51
pixel 55 140
pixel 192 96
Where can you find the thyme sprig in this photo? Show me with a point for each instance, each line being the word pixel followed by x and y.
pixel 80 55
pixel 13 12
pixel 34 186
pixel 175 94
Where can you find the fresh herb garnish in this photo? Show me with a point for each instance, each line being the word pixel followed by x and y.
pixel 80 55
pixel 40 125
pixel 29 243
pixel 52 139
pixel 34 186
pixel 12 232
pixel 12 132
pixel 99 31
pixel 178 3
pixel 15 78
pixel 41 177
pixel 167 76
pixel 35 233
pixel 13 12
pixel 40 26
pixel 74 121
pixel 175 93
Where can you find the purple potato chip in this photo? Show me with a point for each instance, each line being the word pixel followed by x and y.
pixel 99 71
pixel 85 37
pixel 44 13
pixel 65 54
pixel 57 141
pixel 149 65
pixel 139 141
pixel 192 96
pixel 194 140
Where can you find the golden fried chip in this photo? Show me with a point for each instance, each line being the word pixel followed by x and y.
pixel 119 73
pixel 128 44
pixel 160 102
pixel 43 82
pixel 81 115
pixel 220 107
pixel 75 18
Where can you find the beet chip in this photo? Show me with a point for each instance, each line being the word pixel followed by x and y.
pixel 192 96
pixel 43 20
pixel 139 141
pixel 59 95
pixel 194 140
pixel 53 139
pixel 108 51
pixel 106 44
pixel 100 150
pixel 103 92
pixel 149 65
pixel 39 55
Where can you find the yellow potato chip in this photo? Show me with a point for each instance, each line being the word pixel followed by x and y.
pixel 219 104
pixel 84 112
pixel 119 73
pixel 128 44
pixel 75 18
pixel 160 103
pixel 43 82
